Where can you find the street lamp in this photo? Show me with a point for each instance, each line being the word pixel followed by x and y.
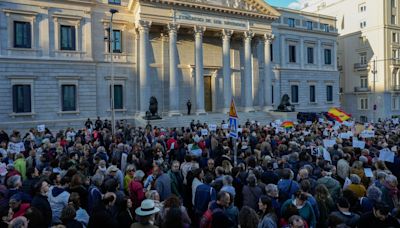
pixel 111 46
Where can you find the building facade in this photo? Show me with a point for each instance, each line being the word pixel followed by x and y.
pixel 368 55
pixel 55 59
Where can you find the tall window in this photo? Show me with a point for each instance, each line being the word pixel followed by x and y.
pixel 329 93
pixel 291 22
pixel 393 19
pixel 22 34
pixel 310 55
pixel 67 37
pixel 116 2
pixel 325 27
pixel 68 97
pixel 395 102
pixel 328 56
pixel 362 8
pixel 295 93
pixel 364 82
pixel 272 94
pixel 312 93
pixel 395 37
pixel 117 41
pixel 393 3
pixel 309 25
pixel 363 24
pixel 363 58
pixel 21 98
pixel 292 53
pixel 363 104
pixel 118 97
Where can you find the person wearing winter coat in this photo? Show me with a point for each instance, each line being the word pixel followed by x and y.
pixel 58 198
pixel 343 212
pixel 251 192
pixel 303 206
pixel 41 202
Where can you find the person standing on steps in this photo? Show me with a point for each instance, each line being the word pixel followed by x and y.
pixel 189 106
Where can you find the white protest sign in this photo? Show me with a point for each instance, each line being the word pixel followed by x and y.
pixel 329 143
pixel 308 123
pixel 367 134
pixel 41 128
pixel 316 151
pixel 321 120
pixel 326 133
pixel 212 127
pixel 358 144
pixel 239 130
pixel 278 121
pixel 336 127
pixel 347 182
pixel 305 133
pixel 13 148
pixel 348 123
pixel 204 132
pixel 386 155
pixel 395 121
pixel 225 126
pixel 172 146
pixel 326 155
pixel 345 135
pixel 368 172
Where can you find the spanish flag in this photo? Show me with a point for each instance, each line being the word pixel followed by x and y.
pixel 338 114
pixel 287 124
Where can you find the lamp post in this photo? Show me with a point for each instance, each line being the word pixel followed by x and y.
pixel 111 45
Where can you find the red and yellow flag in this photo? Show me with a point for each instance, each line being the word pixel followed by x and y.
pixel 287 124
pixel 338 114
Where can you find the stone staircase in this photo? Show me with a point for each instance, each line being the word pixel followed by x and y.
pixel 216 118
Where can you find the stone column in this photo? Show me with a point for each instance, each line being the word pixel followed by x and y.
pixel 226 55
pixel 248 82
pixel 277 87
pixel 173 71
pixel 268 38
pixel 198 33
pixel 302 57
pixel 144 66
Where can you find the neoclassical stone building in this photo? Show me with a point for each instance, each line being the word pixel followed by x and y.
pixel 55 58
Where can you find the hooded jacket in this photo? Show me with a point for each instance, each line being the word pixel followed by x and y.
pixel 58 199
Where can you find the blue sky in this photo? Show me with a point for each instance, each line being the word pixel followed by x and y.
pixel 281 3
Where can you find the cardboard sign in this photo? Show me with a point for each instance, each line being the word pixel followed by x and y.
pixel 204 132
pixel 212 127
pixel 386 155
pixel 358 144
pixel 329 143
pixel 367 134
pixel 41 128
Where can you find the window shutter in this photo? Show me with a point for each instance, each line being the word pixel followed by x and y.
pixel 15 98
pixel 73 38
pixel 27 98
pixel 29 35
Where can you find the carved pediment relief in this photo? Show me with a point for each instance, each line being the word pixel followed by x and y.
pixel 257 6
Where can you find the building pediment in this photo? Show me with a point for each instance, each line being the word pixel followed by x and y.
pixel 252 8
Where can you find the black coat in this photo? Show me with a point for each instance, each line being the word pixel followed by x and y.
pixel 41 203
pixel 102 217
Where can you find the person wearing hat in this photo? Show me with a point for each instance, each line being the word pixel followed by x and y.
pixel 145 214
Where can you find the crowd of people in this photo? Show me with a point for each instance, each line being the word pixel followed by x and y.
pixel 186 177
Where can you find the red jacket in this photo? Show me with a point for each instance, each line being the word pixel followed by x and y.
pixel 22 210
pixel 136 193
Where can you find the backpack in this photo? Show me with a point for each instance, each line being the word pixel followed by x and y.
pixel 206 219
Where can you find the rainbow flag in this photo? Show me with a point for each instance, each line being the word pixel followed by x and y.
pixel 287 124
pixel 338 114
